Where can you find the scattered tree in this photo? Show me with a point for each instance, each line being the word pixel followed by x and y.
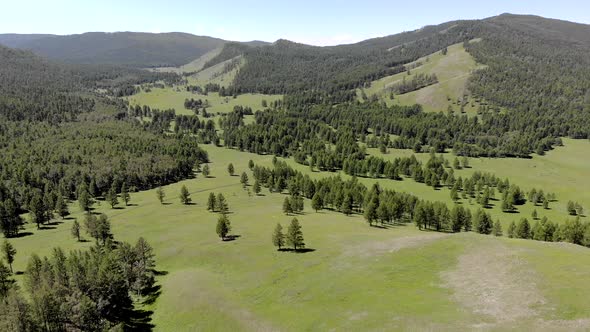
pixel 160 194
pixel 9 252
pixel 278 238
pixel 223 226
pixel 295 235
pixel 185 196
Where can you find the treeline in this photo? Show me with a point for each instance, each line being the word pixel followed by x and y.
pixel 389 207
pixel 286 67
pixel 89 290
pixel 41 162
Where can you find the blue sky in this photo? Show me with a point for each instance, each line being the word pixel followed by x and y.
pixel 313 22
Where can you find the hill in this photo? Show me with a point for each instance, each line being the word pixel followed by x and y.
pixel 135 49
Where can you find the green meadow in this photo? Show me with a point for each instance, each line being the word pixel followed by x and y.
pixel 356 277
pixel 452 71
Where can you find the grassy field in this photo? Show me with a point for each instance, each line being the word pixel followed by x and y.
pixel 174 98
pixel 560 171
pixel 193 66
pixel 357 277
pixel 452 71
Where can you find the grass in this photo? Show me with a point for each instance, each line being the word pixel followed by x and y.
pixel 193 66
pixel 173 97
pixel 452 71
pixel 560 171
pixel 357 277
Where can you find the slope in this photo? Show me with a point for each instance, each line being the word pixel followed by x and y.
pixel 121 48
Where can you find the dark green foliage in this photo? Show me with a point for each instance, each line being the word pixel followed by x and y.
pixel 278 238
pixel 221 204
pixel 160 194
pixel 8 253
pixel 185 196
pixel 230 169
pixel 244 179
pixel 223 226
pixel 294 235
pixel 523 229
pixel 76 230
pixel 512 230
pixel 211 202
pixel 111 197
pixel 497 229
pixel 125 193
pixel 88 289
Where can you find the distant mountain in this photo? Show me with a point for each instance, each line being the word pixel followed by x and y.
pixel 135 49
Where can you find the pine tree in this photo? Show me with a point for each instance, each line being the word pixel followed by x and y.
pixel 112 196
pixel 185 196
pixel 160 194
pixel 278 238
pixel 287 206
pixel 206 172
pixel 512 230
pixel 534 215
pixel 211 202
pixel 257 187
pixel 8 252
pixel 230 169
pixel 244 179
pixel 523 229
pixel 125 194
pixel 223 226
pixel 295 235
pixel 76 230
pixel 497 229
pixel 371 213
pixel 61 207
pixel 250 164
pixel 85 201
pixel 317 202
pixel 222 206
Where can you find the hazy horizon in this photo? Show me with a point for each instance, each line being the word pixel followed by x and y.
pixel 322 24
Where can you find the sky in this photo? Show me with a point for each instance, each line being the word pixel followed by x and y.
pixel 312 22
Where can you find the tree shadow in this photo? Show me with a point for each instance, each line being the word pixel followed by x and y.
pixel 47 227
pixel 152 294
pixel 69 218
pixel 131 204
pixel 22 234
pixel 117 208
pixel 139 320
pixel 231 238
pixel 166 203
pixel 54 223
pixel 512 211
pixel 297 251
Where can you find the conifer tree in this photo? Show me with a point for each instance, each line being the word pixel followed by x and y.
pixel 211 202
pixel 497 229
pixel 76 230
pixel 244 179
pixel 223 226
pixel 206 171
pixel 61 207
pixel 295 235
pixel 222 206
pixel 112 196
pixel 185 196
pixel 278 238
pixel 9 252
pixel 230 169
pixel 125 194
pixel 512 230
pixel 287 206
pixel 257 187
pixel 160 194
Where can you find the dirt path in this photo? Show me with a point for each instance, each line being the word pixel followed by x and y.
pixel 492 280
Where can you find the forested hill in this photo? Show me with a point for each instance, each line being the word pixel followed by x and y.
pixel 119 48
pixel 286 67
pixel 38 89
